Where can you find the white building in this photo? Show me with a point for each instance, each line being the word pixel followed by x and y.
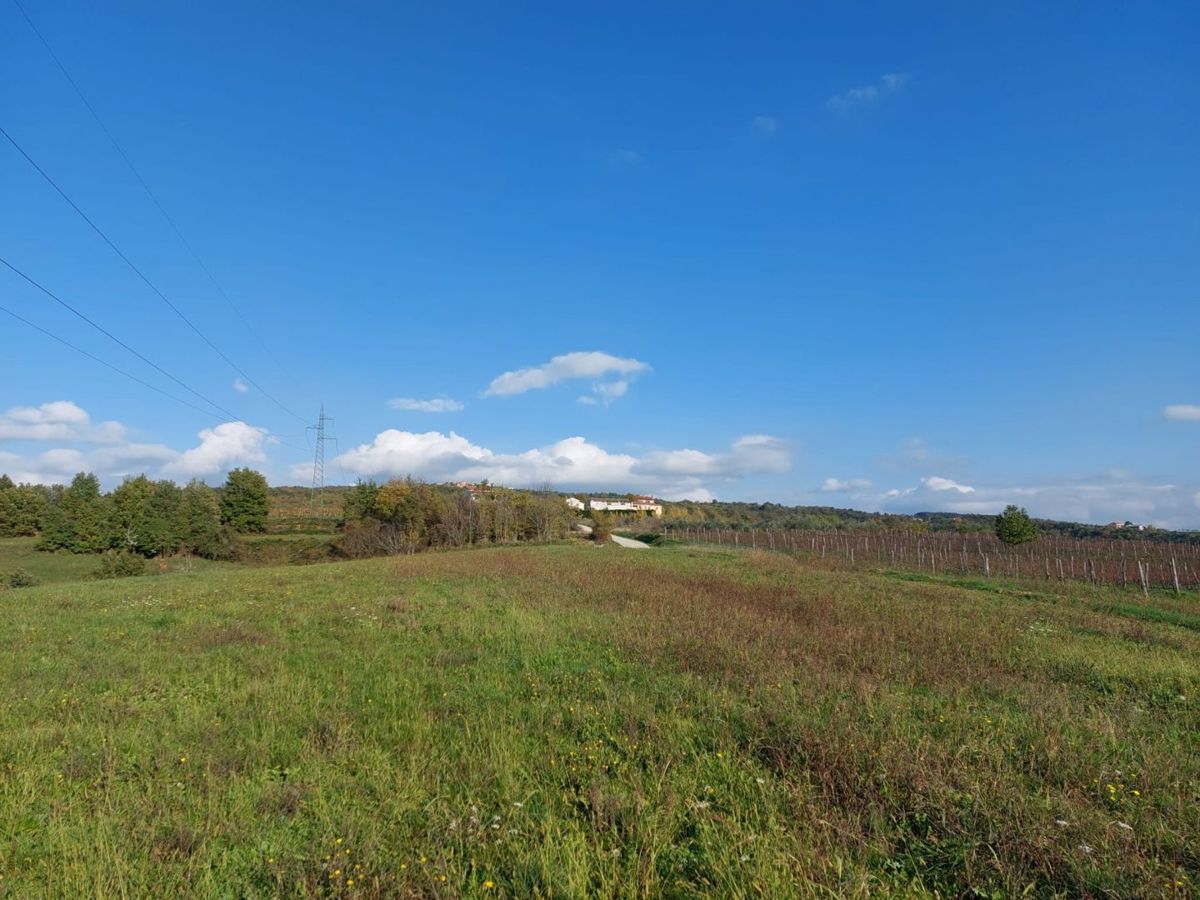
pixel 576 504
pixel 637 504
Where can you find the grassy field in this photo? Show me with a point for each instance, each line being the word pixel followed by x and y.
pixel 574 721
pixel 18 554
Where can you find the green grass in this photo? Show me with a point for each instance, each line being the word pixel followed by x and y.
pixel 18 554
pixel 1152 614
pixel 52 568
pixel 578 721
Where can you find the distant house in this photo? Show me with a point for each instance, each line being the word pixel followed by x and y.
pixel 576 504
pixel 638 504
pixel 475 492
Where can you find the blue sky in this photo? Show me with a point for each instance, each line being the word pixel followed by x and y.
pixel 893 257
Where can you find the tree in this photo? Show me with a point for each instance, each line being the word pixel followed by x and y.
pixel 1013 526
pixel 21 508
pixel 245 501
pixel 160 533
pixel 143 517
pixel 359 502
pixel 128 511
pixel 199 521
pixel 76 517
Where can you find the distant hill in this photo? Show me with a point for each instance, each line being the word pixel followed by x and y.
pixel 773 515
pixel 291 510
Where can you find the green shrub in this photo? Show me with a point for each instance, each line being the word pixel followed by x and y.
pixel 601 527
pixel 19 578
pixel 119 565
pixel 1013 526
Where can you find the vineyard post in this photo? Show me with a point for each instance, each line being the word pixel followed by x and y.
pixel 1175 575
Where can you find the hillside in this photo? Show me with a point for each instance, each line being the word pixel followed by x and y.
pixel 579 721
pixel 291 511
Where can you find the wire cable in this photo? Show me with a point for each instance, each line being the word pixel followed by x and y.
pixel 153 197
pixel 112 337
pixel 150 284
pixel 118 370
pixel 107 364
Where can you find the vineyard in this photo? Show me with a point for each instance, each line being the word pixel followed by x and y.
pixel 1139 565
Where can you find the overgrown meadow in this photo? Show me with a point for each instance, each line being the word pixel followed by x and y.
pixel 572 721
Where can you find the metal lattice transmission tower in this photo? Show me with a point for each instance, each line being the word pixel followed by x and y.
pixel 316 498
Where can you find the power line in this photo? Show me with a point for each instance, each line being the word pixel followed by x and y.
pixel 112 337
pixel 226 413
pixel 150 193
pixel 150 284
pixel 106 363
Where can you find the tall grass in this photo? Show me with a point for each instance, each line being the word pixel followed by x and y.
pixel 578 721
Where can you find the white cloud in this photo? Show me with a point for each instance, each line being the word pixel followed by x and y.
pixel 760 453
pixel 60 420
pixel 752 454
pixel 868 95
pixel 570 463
pixel 111 463
pixel 567 367
pixel 1182 412
pixel 1096 500
pixel 228 445
pixel 937 483
pixel 605 392
pixel 240 386
pixel 433 405
pixel 105 450
pixel 765 125
pixel 836 485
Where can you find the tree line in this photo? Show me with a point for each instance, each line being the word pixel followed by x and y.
pixel 746 516
pixel 404 516
pixel 148 518
pixel 141 517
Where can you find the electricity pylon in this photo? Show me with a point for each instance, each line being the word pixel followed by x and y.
pixel 316 498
